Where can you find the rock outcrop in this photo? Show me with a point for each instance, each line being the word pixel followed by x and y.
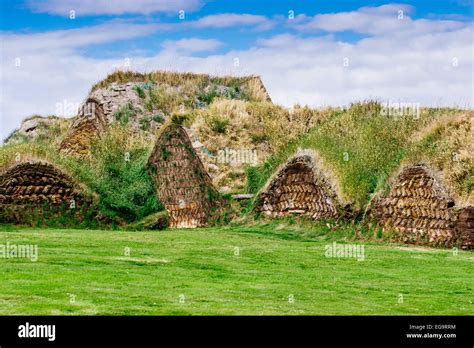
pixel 103 107
pixel 37 127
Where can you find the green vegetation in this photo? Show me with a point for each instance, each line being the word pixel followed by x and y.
pixel 362 149
pixel 140 91
pixel 155 221
pixel 218 124
pixel 114 172
pixel 208 94
pixel 252 265
pixel 448 145
pixel 145 123
pixel 253 270
pixel 159 118
pixel 125 113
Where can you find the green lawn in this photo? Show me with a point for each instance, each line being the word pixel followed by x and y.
pixel 200 272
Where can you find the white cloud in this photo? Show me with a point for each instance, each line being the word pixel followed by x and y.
pixel 417 66
pixel 50 71
pixel 20 44
pixel 391 19
pixel 191 45
pixel 111 7
pixel 226 20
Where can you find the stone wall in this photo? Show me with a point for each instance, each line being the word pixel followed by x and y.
pixel 28 186
pixel 97 113
pixel 181 182
pixel 88 125
pixel 418 209
pixel 299 188
pixel 465 227
pixel 115 96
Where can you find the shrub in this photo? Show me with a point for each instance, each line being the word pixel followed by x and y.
pixel 116 171
pixel 140 91
pixel 124 113
pixel 218 124
pixel 208 95
pixel 180 118
pixel 158 118
pixel 145 123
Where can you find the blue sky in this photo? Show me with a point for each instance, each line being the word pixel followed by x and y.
pixel 18 16
pixel 425 56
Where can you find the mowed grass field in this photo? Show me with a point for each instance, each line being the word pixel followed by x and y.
pixel 226 271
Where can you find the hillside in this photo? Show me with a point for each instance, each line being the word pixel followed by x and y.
pixel 352 157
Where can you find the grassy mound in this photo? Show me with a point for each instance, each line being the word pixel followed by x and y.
pixel 115 171
pixel 253 129
pixel 362 148
pixel 189 83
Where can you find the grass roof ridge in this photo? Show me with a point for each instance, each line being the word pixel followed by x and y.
pixel 165 76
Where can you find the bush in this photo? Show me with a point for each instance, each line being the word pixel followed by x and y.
pixel 218 124
pixel 140 91
pixel 181 119
pixel 123 114
pixel 117 172
pixel 159 118
pixel 145 123
pixel 207 96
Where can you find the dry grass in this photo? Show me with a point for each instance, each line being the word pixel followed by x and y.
pixel 239 125
pixel 253 83
pixel 447 145
pixel 227 124
pixel 281 125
